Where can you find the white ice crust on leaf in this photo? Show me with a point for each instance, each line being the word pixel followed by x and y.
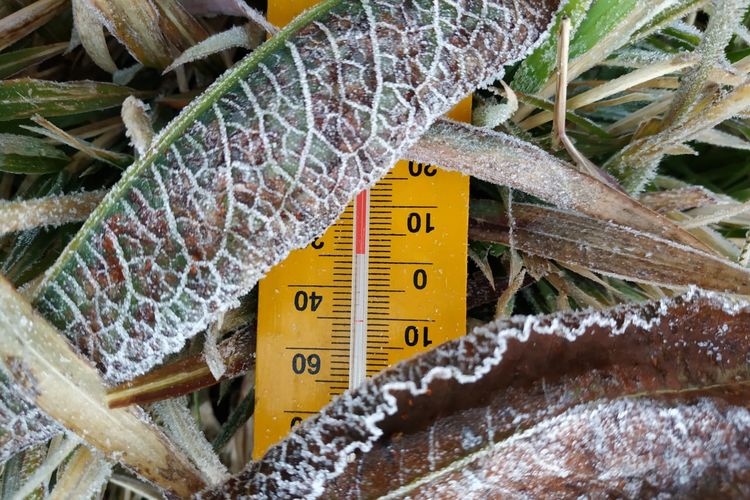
pixel 634 444
pixel 319 450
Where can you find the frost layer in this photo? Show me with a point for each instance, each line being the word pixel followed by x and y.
pixel 277 149
pixel 435 414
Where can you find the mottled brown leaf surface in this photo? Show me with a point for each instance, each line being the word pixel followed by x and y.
pixel 431 415
pixel 620 449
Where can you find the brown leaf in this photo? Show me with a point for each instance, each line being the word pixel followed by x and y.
pixel 610 249
pixel 154 32
pixel 26 20
pixel 46 371
pixel 188 374
pixel 620 449
pixel 678 199
pixel 431 416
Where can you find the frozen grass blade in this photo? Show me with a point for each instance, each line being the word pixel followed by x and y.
pixel 24 98
pixel 21 154
pixel 49 211
pixel 504 160
pixel 608 248
pixel 726 16
pixel 85 476
pixel 13 62
pixel 48 372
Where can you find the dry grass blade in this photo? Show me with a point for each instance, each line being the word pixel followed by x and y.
pixel 610 249
pixel 54 377
pixel 49 211
pixel 119 160
pixel 26 20
pixel 613 87
pixel 504 160
pixel 678 199
pixel 91 33
pixel 428 418
pixel 153 32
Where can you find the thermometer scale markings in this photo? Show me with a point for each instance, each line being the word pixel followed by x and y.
pixel 384 283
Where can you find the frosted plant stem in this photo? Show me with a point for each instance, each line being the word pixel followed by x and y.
pixel 726 16
pixel 745 254
pixel 184 431
pixel 45 470
pixel 211 349
pixel 137 123
pixel 48 211
pixel 636 164
pixel 720 213
pixel 84 477
pixel 559 135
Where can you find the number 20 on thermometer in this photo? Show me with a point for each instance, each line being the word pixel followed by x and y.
pixel 386 282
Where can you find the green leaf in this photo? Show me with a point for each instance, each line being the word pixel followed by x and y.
pixel 21 154
pixel 536 69
pixel 13 62
pixel 25 97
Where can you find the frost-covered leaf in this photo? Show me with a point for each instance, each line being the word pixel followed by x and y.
pixel 25 97
pixel 22 424
pixel 45 370
pixel 154 31
pixel 264 162
pixel 434 418
pixel 723 139
pixel 22 154
pixel 622 449
pixel 91 32
pixel 18 60
pixel 237 36
pixel 501 159
pixel 609 248
pixel 24 21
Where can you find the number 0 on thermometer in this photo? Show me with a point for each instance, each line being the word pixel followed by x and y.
pixel 384 283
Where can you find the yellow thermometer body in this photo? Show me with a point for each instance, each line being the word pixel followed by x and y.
pixel 386 282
